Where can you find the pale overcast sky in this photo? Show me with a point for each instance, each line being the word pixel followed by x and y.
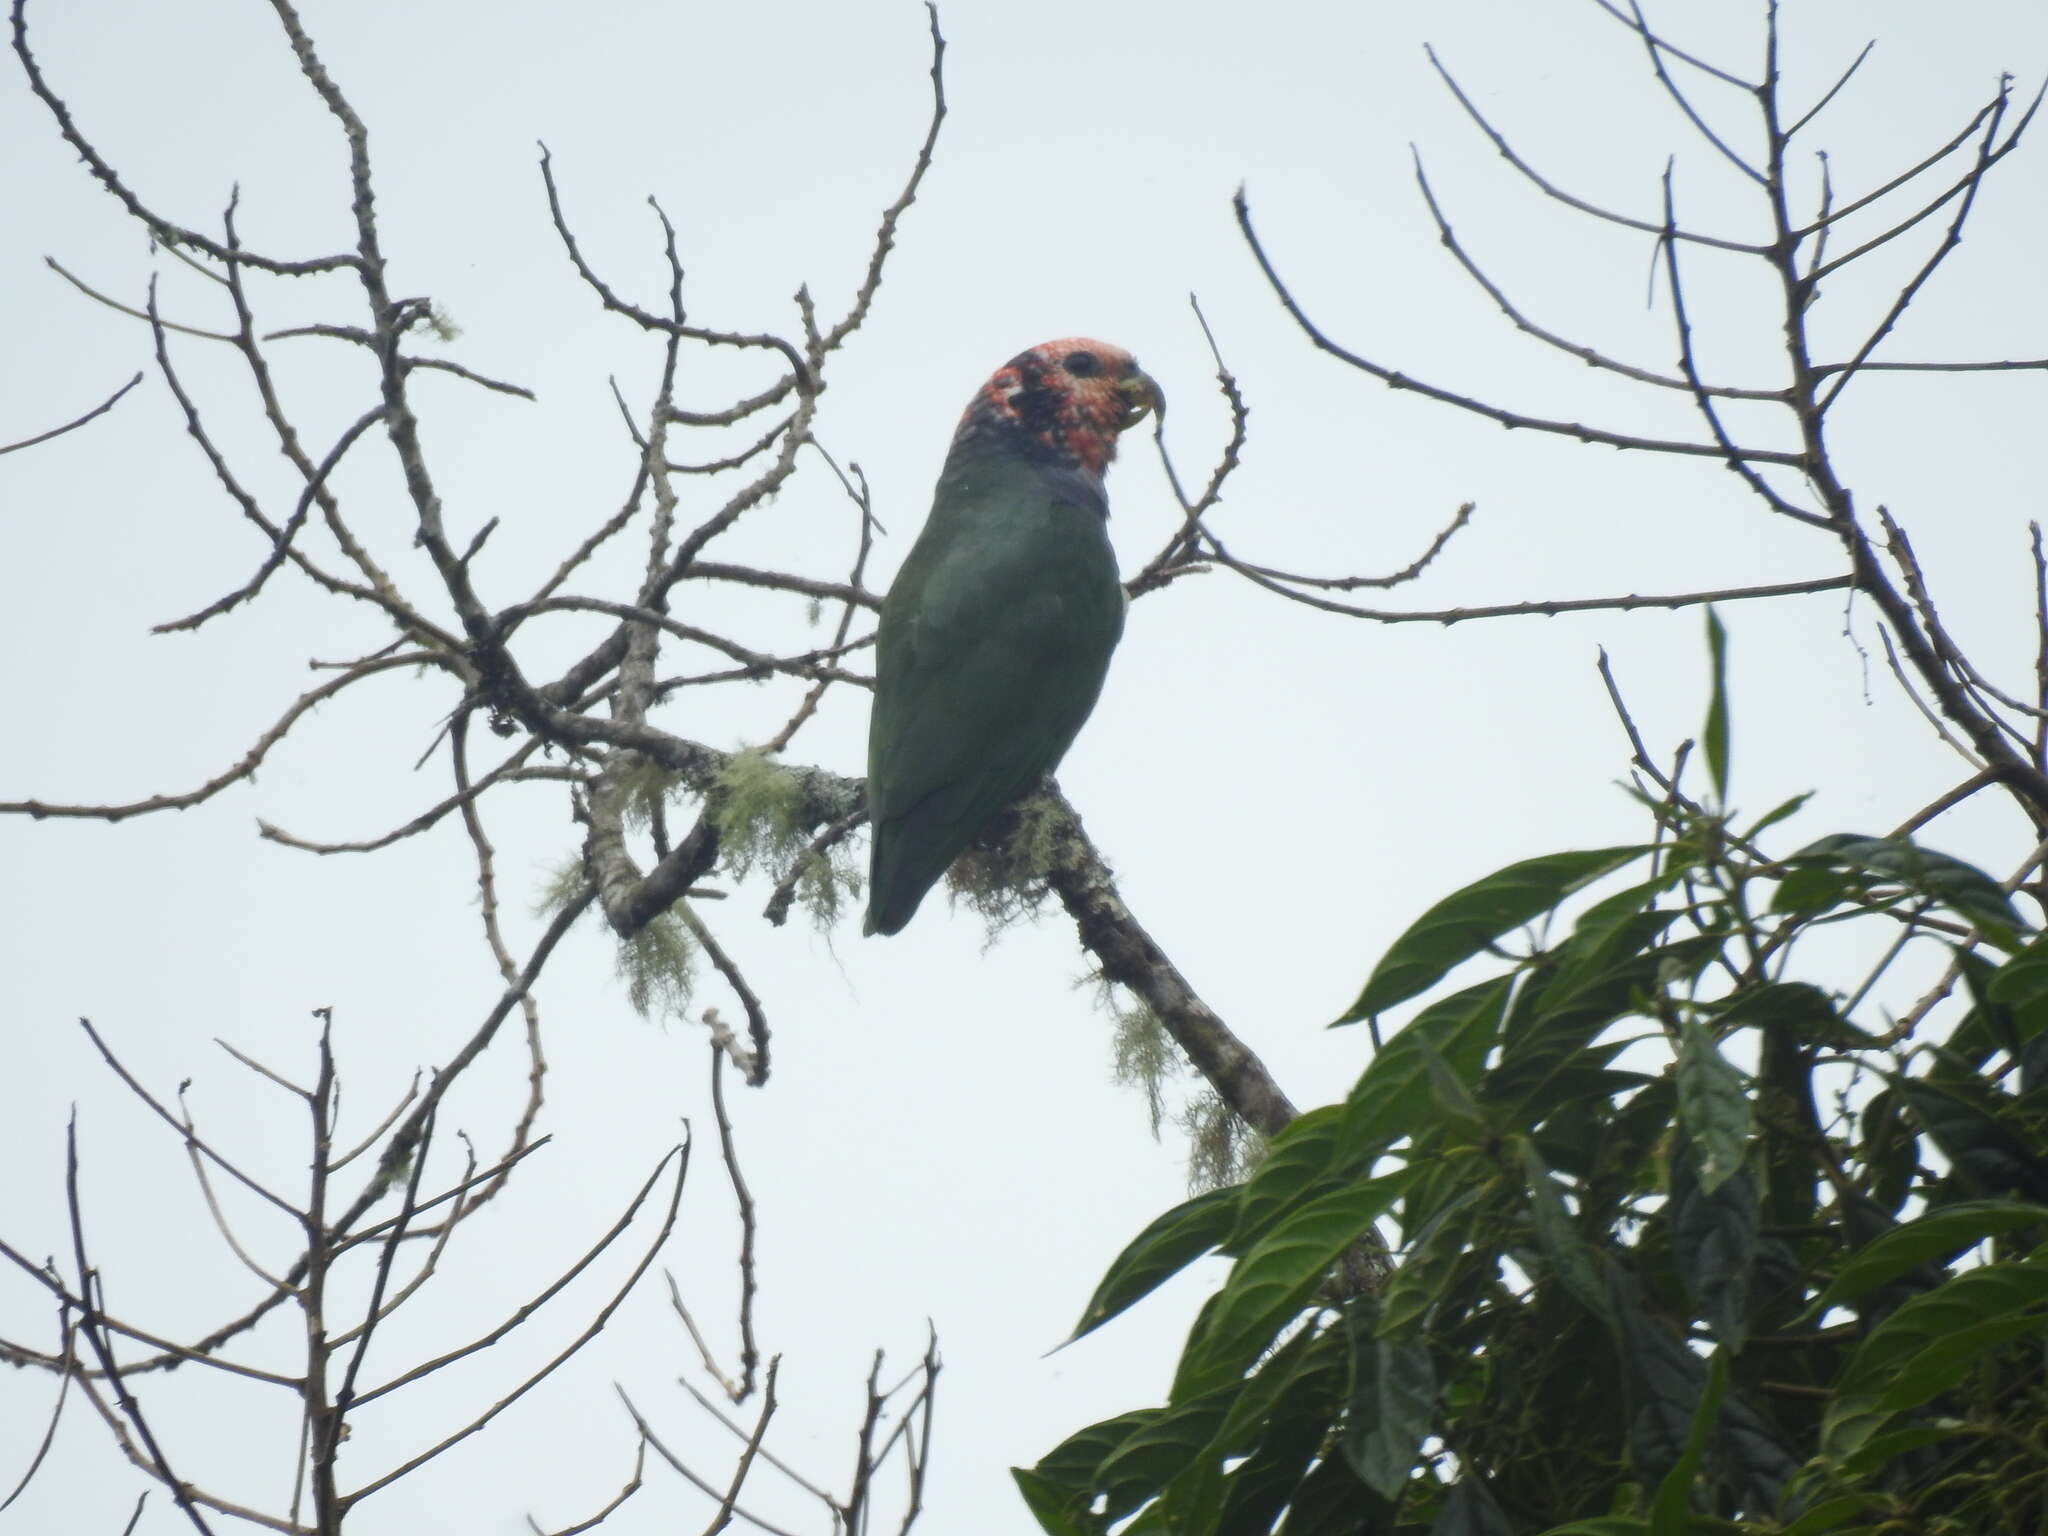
pixel 1280 791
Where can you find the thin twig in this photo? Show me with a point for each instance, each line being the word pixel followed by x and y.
pixel 1588 355
pixel 592 1522
pixel 682 1468
pixel 281 546
pixel 681 1156
pixel 362 338
pixel 1558 194
pixel 835 832
pixel 741 1434
pixel 494 938
pixel 754 1060
pixel 1989 153
pixel 76 422
pixel 1633 20
pixel 1657 48
pixel 743 1203
pixel 1394 379
pixel 1548 609
pixel 1400 578
pixel 745 1464
pixel 1703 398
pixel 183 1126
pixel 67 1368
pixel 1177 557
pixel 885 234
pixel 1829 95
pixel 91 1324
pixel 163 229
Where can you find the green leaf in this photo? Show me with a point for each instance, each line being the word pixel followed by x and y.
pixel 1807 890
pixel 1042 1498
pixel 1671 1509
pixel 1963 1116
pixel 1456 1109
pixel 1069 1470
pixel 1962 888
pixel 1332 1502
pixel 1623 1139
pixel 1544 1033
pixel 1419 1279
pixel 1190 1484
pixel 1390 1414
pixel 1714 735
pixel 1935 1238
pixel 1573 1262
pixel 1668 1377
pixel 1986 1028
pixel 1390 1100
pixel 1809 1013
pixel 1774 815
pixel 1273 1281
pixel 2024 978
pixel 1149 1459
pixel 1606 937
pixel 1714 1243
pixel 1714 1105
pixel 1279 1435
pixel 1610 912
pixel 1880 1451
pixel 1929 1345
pixel 1832 1514
pixel 1890 1149
pixel 1471 1510
pixel 1162 1250
pixel 1268 1480
pixel 1464 923
pixel 1298 1160
pixel 1752 1462
pixel 1601 1525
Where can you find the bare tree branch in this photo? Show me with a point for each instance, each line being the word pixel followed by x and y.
pixel 242 769
pixel 632 1486
pixel 163 229
pixel 76 422
pixel 1657 47
pixel 1558 194
pixel 92 1324
pixel 1507 418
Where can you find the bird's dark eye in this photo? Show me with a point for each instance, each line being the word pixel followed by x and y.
pixel 1083 365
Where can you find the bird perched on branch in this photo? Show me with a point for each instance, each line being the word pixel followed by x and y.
pixel 997 633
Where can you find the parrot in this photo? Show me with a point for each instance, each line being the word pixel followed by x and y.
pixel 996 635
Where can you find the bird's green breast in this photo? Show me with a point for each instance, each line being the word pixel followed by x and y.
pixel 1013 548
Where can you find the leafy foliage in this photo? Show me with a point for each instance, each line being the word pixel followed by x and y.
pixel 1643 1284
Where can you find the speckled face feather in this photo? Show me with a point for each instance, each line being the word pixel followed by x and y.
pixel 1037 404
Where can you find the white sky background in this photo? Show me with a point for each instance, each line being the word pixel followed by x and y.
pixel 1281 792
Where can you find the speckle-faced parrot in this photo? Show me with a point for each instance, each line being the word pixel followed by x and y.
pixel 997 633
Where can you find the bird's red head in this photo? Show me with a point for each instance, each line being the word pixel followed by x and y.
pixel 1064 401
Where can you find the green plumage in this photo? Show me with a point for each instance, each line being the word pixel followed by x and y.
pixel 994 643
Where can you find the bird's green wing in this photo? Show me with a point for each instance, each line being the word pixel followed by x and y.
pixel 994 644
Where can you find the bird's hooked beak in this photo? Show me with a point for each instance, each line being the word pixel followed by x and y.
pixel 1142 396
